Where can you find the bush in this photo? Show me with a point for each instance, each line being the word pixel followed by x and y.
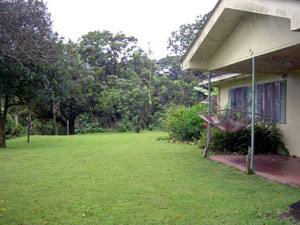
pixel 202 141
pixel 121 127
pixel 158 121
pixel 93 127
pixel 9 124
pixel 42 127
pixel 183 124
pixel 45 127
pixel 268 140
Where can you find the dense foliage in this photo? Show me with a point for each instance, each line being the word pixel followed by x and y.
pixel 183 124
pixel 104 82
pixel 27 50
pixel 268 140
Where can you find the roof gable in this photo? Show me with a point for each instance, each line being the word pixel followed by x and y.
pixel 233 29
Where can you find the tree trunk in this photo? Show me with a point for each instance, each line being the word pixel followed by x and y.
pixel 141 122
pixel 149 96
pixel 72 127
pixel 54 111
pixel 54 124
pixel 82 127
pixel 2 122
pixel 91 109
pixel 2 134
pixel 16 123
pixel 68 129
pixel 28 123
pixel 149 117
pixel 137 129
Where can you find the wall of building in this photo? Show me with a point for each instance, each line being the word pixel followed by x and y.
pixel 248 35
pixel 290 130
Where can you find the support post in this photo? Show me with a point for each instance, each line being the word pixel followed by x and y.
pixel 206 150
pixel 253 117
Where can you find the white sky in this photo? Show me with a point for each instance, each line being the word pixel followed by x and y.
pixel 149 21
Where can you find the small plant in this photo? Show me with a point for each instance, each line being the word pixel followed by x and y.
pixel 268 140
pixel 250 172
pixel 202 139
pixel 163 138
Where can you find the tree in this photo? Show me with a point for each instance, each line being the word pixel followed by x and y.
pixel 171 67
pixel 181 39
pixel 27 45
pixel 68 88
pixel 105 52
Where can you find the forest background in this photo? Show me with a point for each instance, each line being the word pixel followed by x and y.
pixel 102 82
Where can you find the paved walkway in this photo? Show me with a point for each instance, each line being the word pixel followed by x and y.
pixel 280 168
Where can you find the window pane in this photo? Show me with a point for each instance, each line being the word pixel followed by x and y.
pixel 270 100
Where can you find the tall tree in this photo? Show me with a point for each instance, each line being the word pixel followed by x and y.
pixel 27 44
pixel 105 52
pixel 181 39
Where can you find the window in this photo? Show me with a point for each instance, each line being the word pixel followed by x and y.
pixel 270 100
pixel 239 98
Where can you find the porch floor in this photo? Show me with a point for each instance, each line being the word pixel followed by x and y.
pixel 280 168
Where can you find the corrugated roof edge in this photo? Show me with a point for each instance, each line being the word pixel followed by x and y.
pixel 223 77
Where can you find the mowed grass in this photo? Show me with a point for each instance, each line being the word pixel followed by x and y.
pixel 129 178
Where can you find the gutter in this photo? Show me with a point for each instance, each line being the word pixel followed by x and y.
pixel 227 76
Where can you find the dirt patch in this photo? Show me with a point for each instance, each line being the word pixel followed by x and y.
pixel 294 211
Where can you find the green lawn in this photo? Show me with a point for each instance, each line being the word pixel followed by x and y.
pixel 129 178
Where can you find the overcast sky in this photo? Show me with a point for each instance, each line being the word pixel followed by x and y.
pixel 149 21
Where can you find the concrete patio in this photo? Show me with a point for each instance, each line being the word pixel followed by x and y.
pixel 280 168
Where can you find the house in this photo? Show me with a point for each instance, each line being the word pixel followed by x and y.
pixel 268 31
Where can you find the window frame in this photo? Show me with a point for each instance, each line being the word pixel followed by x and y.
pixel 281 99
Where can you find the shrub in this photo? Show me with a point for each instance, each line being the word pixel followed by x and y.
pixel 121 127
pixel 158 121
pixel 267 140
pixel 93 127
pixel 42 127
pixel 9 124
pixel 45 127
pixel 11 129
pixel 17 131
pixel 183 124
pixel 201 142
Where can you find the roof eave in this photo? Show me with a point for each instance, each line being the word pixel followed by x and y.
pixel 209 15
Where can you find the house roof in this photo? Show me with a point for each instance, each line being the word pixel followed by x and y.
pixel 227 76
pixel 236 31
pixel 213 99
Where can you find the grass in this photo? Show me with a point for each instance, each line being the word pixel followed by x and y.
pixel 129 178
